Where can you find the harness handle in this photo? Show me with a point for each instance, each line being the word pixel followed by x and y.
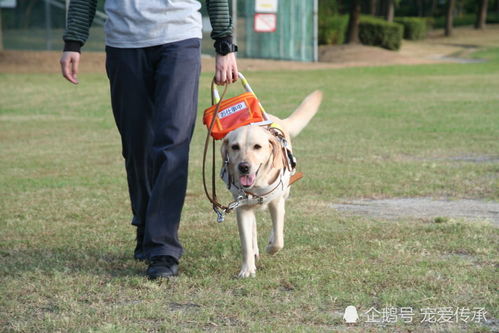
pixel 215 96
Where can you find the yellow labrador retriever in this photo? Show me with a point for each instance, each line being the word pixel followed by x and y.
pixel 258 166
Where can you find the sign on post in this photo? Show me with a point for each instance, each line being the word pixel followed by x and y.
pixel 266 6
pixel 265 22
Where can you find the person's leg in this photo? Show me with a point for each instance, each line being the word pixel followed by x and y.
pixel 131 79
pixel 175 108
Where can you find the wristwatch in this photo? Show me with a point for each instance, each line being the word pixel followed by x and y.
pixel 224 47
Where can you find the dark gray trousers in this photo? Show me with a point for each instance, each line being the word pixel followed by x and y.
pixel 154 94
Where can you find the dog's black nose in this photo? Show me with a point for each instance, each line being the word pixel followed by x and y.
pixel 244 167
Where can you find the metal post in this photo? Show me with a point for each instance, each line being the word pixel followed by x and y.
pixel 48 25
pixel 234 21
pixel 316 30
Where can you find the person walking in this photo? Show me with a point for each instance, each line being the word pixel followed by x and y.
pixel 153 65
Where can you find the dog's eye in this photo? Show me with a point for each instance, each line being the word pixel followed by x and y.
pixel 235 147
pixel 257 147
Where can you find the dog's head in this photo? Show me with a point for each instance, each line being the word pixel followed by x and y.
pixel 253 153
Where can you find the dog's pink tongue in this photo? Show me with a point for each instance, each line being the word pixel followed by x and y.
pixel 247 180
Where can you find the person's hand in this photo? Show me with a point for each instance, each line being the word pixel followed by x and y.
pixel 226 68
pixel 69 66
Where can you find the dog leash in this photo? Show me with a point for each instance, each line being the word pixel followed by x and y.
pixel 219 209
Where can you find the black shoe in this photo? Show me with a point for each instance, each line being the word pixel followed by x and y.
pixel 162 266
pixel 138 253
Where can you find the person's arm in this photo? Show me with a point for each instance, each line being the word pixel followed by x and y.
pixel 221 22
pixel 80 16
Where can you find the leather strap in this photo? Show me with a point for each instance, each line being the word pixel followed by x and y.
pixel 296 177
pixel 213 197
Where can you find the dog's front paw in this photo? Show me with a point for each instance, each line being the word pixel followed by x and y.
pixel 273 248
pixel 247 271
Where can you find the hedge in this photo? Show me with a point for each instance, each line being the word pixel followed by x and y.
pixel 462 20
pixel 378 32
pixel 332 29
pixel 372 31
pixel 465 20
pixel 414 27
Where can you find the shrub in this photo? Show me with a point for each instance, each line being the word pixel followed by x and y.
pixel 493 18
pixel 332 29
pixel 462 20
pixel 465 20
pixel 378 32
pixel 430 23
pixel 414 27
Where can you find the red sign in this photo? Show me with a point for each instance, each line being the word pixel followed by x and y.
pixel 265 22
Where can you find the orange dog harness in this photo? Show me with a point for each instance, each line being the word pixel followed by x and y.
pixel 234 112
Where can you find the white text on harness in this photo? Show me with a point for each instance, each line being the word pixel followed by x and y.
pixel 231 110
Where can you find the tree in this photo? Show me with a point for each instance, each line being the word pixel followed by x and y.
pixel 390 10
pixel 373 6
pixel 420 6
pixel 449 17
pixel 353 23
pixel 481 15
pixel 433 7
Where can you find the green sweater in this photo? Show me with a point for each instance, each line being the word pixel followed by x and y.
pixel 81 14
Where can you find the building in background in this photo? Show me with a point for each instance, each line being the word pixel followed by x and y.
pixel 269 29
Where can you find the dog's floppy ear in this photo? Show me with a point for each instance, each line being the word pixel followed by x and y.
pixel 223 148
pixel 277 155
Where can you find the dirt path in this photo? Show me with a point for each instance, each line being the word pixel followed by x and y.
pixel 434 49
pixel 462 43
pixel 422 208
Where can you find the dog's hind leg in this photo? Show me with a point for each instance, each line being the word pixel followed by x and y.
pixel 245 222
pixel 276 240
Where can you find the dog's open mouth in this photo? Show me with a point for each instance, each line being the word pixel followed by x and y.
pixel 247 180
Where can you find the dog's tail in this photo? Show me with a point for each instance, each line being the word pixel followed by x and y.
pixel 297 121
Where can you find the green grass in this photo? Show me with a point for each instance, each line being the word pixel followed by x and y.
pixel 66 242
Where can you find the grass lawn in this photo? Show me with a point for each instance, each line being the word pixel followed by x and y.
pixel 382 132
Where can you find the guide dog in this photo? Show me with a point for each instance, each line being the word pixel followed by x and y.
pixel 258 168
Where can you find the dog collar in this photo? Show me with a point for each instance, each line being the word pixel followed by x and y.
pixel 260 196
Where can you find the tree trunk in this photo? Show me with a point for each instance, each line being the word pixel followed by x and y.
pixel 353 23
pixel 372 4
pixel 420 6
pixel 481 15
pixel 380 8
pixel 433 7
pixel 449 17
pixel 390 10
pixel 459 8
